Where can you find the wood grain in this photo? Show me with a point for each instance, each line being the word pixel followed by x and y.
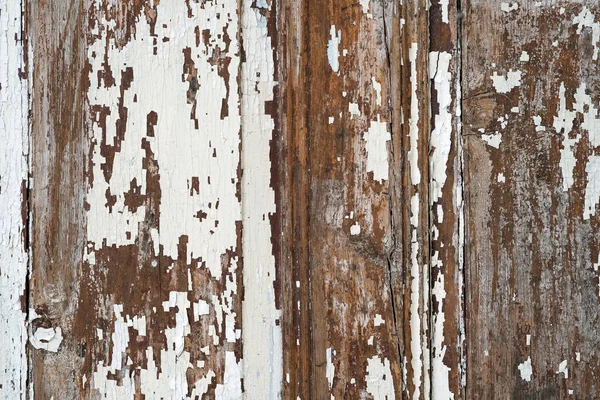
pixel 532 245
pixel 299 199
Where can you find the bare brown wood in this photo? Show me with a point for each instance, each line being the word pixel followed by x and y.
pixel 532 242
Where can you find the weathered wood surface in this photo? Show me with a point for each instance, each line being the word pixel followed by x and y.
pixel 531 134
pixel 310 199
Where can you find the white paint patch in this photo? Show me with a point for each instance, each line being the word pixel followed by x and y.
pixel 493 140
pixel 181 151
pixel 504 84
pixel 444 6
pixel 354 110
pixel 333 51
pixel 562 369
pixel 564 124
pixel 537 120
pixel 263 360
pixel 586 19
pixel 515 110
pixel 501 178
pixel 378 321
pixel 376 139
pixel 525 369
pixel 330 369
pixel 379 379
pixel 355 229
pixel 508 7
pixel 377 87
pixel 14 150
pixel 524 56
pixel 439 371
pixel 441 136
pixel 48 339
pixel 365 7
pixel 592 189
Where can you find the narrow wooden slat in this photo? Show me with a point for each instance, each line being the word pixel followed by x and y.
pixel 531 172
pixel 14 151
pixel 445 204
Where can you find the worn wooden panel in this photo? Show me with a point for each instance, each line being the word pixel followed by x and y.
pixel 342 333
pixel 309 199
pixel 14 148
pixel 530 101
pixel 152 252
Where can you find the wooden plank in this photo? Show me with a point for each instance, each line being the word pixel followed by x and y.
pixel 446 204
pixel 344 329
pixel 147 237
pixel 531 170
pixel 14 151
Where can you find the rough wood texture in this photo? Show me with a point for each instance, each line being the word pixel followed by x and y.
pixel 305 199
pixel 531 148
pixel 141 210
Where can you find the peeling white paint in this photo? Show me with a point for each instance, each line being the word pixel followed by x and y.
pixel 376 139
pixel 586 19
pixel 354 110
pixel 330 369
pixel 493 140
pixel 377 87
pixel 333 52
pixel 441 136
pixel 379 379
pixel 378 321
pixel 48 339
pixel 14 149
pixel 526 370
pixel 365 7
pixel 180 150
pixel 508 7
pixel 501 178
pixel 562 369
pixel 564 125
pixel 261 320
pixel 439 370
pixel 355 229
pixel 504 84
pixel 592 189
pixel 524 56
pixel 444 6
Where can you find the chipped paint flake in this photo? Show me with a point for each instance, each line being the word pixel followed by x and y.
pixel 354 110
pixel 504 84
pixel 48 339
pixel 333 52
pixel 377 87
pixel 376 139
pixel 330 369
pixel 508 7
pixel 562 369
pixel 493 140
pixel 379 379
pixel 526 370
